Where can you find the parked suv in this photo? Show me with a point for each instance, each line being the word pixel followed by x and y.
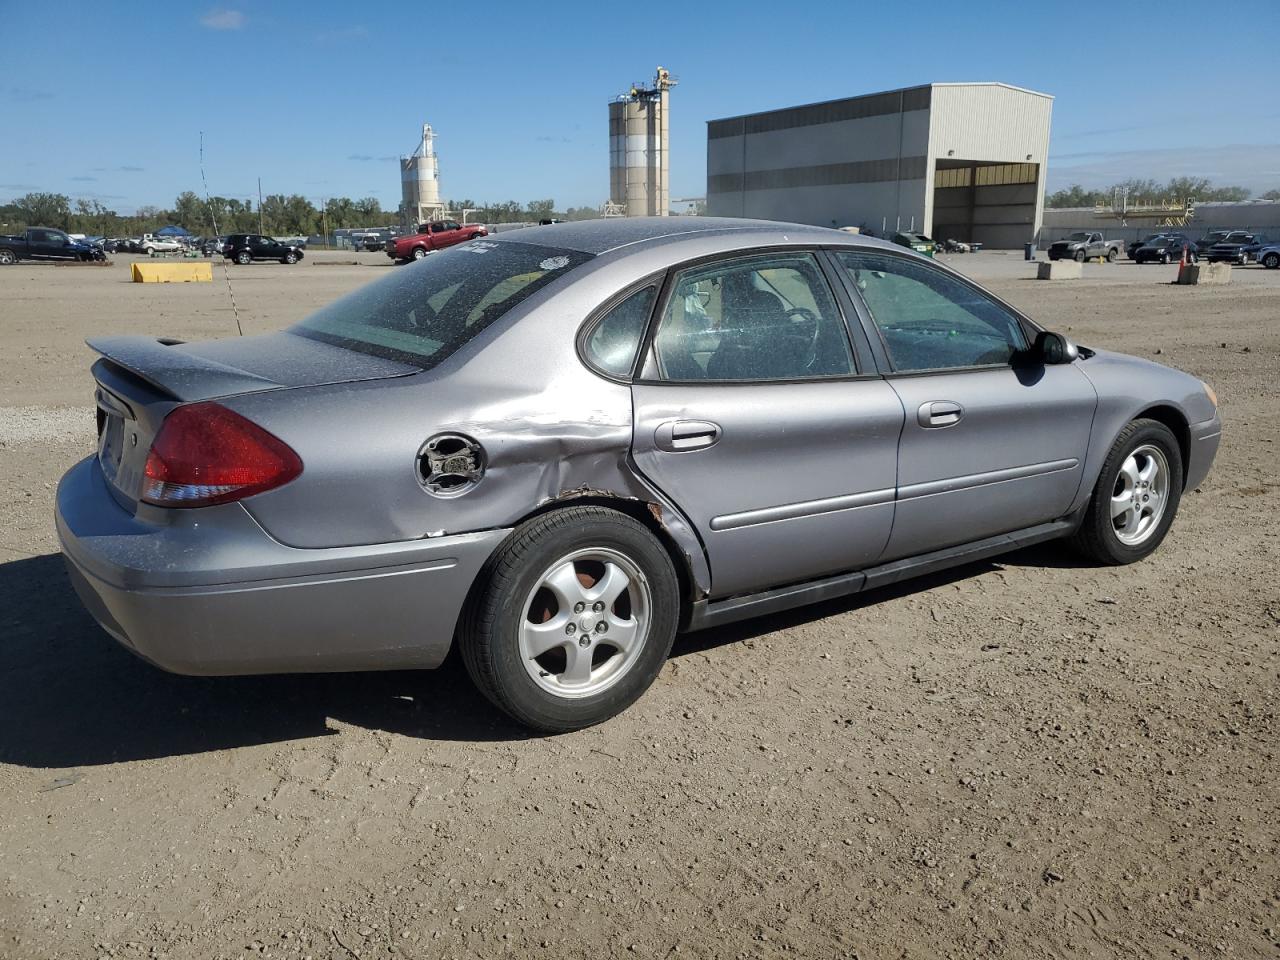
pixel 1238 248
pixel 244 248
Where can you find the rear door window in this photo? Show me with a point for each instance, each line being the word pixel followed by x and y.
pixel 768 317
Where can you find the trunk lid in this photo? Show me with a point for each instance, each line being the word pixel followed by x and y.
pixel 140 379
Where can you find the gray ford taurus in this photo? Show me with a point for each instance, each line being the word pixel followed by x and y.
pixel 558 447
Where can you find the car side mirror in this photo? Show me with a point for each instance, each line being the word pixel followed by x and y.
pixel 1053 348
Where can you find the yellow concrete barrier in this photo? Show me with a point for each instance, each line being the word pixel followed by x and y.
pixel 183 272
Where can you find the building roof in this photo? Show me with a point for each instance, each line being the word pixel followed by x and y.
pixel 845 108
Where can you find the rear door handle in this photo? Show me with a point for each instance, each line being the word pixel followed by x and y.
pixel 678 436
pixel 939 413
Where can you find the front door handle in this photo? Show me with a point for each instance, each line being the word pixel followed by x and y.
pixel 939 413
pixel 678 436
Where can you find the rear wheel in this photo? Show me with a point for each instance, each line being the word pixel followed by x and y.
pixel 572 618
pixel 1270 261
pixel 1136 496
pixel 244 258
pixel 1113 255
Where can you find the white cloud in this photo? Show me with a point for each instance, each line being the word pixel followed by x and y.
pixel 222 19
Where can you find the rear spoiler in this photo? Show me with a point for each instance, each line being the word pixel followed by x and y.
pixel 162 364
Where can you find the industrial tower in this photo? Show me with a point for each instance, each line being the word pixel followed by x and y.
pixel 420 182
pixel 638 149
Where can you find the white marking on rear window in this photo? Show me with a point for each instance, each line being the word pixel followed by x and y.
pixel 553 263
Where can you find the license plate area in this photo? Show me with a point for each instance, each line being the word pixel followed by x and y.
pixel 115 422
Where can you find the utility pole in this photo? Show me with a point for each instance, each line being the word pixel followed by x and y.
pixel 261 228
pixel 324 219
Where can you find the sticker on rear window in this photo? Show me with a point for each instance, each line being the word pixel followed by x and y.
pixel 553 263
pixel 477 246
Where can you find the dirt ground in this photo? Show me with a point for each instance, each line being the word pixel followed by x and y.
pixel 1029 757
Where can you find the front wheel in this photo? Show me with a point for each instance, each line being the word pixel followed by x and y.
pixel 1081 256
pixel 1136 496
pixel 290 258
pixel 7 258
pixel 572 618
pixel 1164 258
pixel 419 253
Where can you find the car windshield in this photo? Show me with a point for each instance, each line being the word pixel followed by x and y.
pixel 1077 236
pixel 429 309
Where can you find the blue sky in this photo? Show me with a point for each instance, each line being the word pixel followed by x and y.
pixel 107 100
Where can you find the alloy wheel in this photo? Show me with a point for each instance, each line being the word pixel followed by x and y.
pixel 585 622
pixel 1140 494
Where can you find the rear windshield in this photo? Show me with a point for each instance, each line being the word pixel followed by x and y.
pixel 428 309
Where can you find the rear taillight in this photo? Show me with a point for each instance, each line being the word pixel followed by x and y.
pixel 206 454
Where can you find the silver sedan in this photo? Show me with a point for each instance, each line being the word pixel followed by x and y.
pixel 558 447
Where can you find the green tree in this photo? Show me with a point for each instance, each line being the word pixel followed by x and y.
pixel 44 210
pixel 294 214
pixel 341 212
pixel 369 212
pixel 1075 196
pixel 191 213
pixel 541 209
pixel 1269 195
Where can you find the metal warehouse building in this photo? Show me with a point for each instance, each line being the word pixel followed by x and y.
pixel 964 161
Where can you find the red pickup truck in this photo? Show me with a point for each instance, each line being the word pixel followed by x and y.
pixel 432 236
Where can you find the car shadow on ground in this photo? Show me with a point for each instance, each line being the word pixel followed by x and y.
pixel 70 696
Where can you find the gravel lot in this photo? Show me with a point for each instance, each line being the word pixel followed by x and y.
pixel 1021 758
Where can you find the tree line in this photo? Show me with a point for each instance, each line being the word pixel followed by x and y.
pixel 1139 191
pixel 279 214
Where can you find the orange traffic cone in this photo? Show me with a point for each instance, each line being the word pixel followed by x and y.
pixel 1182 264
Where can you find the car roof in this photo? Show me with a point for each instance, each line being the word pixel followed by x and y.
pixel 609 233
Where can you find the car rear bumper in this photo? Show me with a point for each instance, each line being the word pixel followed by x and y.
pixel 209 592
pixel 1205 437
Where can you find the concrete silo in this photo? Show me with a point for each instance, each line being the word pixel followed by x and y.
pixel 638 149
pixel 420 182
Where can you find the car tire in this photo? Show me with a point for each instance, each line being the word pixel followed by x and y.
pixel 290 257
pixel 529 583
pixel 7 257
pixel 419 253
pixel 1081 256
pixel 1124 520
pixel 1113 255
pixel 1270 261
pixel 1165 258
pixel 244 258
pixel 149 251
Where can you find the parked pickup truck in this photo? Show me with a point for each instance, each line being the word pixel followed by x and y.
pixel 1085 246
pixel 431 236
pixel 44 243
